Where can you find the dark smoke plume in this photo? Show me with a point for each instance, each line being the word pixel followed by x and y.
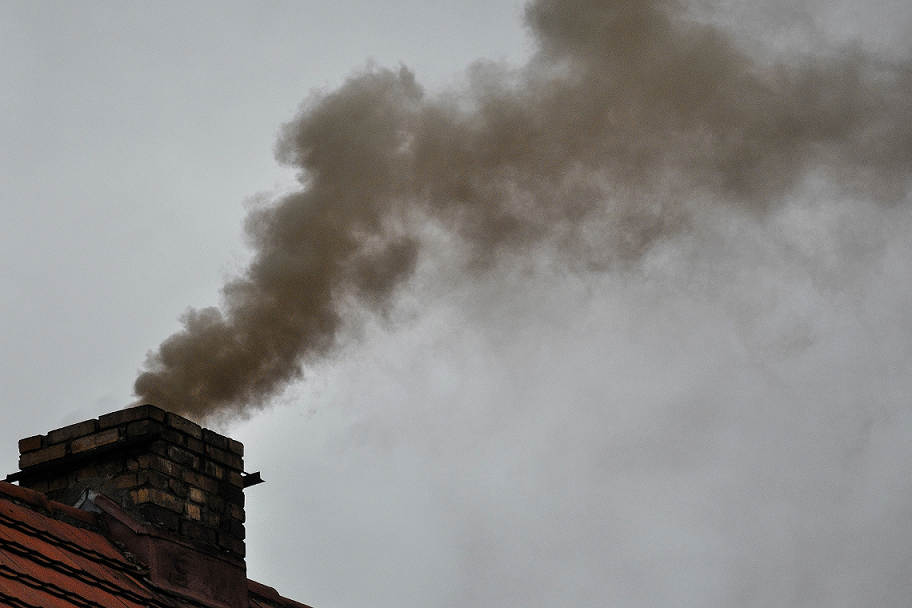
pixel 629 115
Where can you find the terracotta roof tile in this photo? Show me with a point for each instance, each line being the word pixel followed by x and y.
pixel 48 562
pixel 16 593
pixel 48 569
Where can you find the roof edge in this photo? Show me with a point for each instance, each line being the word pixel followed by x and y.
pixel 270 594
pixel 37 500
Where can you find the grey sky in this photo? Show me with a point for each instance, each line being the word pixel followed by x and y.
pixel 726 422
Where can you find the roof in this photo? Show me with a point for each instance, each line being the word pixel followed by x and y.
pixel 56 556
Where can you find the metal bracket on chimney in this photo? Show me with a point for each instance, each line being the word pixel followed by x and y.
pixel 251 479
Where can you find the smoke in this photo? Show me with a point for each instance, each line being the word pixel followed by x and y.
pixel 633 120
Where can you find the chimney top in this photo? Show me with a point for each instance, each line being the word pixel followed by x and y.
pixel 161 468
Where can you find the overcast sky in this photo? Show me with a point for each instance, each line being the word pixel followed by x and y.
pixel 723 420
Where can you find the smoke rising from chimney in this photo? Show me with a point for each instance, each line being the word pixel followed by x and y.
pixel 630 114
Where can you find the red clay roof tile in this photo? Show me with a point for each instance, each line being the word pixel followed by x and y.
pixel 49 563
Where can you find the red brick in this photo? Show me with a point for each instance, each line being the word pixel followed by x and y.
pixel 157 497
pixel 195 445
pixel 74 430
pixel 197 495
pixel 226 458
pixel 139 428
pixel 50 485
pixel 157 463
pixel 160 448
pixel 193 511
pixel 214 439
pixel 198 532
pixel 233 527
pixel 183 425
pixel 30 443
pixel 128 480
pixel 102 469
pixel 183 457
pixel 178 488
pixel 226 541
pixel 159 515
pixel 58 484
pixel 236 512
pixel 43 455
pixel 235 479
pixel 129 415
pixel 174 437
pixel 236 447
pixel 210 519
pixel 150 477
pixel 216 503
pixel 39 486
pixel 207 484
pixel 140 496
pixel 214 470
pixel 232 494
pixel 93 441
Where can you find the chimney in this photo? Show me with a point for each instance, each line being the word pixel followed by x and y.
pixel 171 491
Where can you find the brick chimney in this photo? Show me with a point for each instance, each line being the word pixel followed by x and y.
pixel 170 490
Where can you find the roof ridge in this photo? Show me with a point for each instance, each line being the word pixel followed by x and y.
pixel 37 501
pixel 52 538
